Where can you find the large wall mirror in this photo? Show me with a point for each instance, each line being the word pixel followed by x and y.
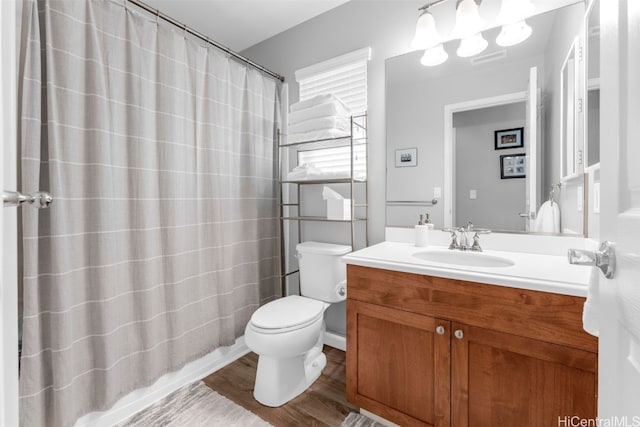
pixel 484 133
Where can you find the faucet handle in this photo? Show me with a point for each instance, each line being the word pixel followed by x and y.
pixel 481 231
pixel 454 237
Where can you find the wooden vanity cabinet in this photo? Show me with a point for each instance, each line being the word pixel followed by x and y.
pixel 429 351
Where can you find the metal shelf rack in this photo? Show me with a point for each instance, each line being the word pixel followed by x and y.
pixel 357 137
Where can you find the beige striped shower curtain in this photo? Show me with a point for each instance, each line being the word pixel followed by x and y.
pixel 162 238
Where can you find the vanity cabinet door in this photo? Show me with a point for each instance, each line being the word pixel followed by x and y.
pixel 398 364
pixel 499 379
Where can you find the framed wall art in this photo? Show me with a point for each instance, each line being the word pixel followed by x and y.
pixel 509 138
pixel 513 166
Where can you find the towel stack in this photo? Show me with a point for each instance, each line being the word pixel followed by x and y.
pixel 320 117
pixel 308 171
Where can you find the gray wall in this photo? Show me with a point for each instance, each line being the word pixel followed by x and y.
pixel 387 27
pixel 565 29
pixel 477 167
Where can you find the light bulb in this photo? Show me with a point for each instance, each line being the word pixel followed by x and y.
pixel 468 20
pixel 434 56
pixel 426 33
pixel 514 10
pixel 472 45
pixel 513 34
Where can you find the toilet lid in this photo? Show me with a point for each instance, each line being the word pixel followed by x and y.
pixel 287 312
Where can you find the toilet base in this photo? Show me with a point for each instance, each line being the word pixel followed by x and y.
pixel 280 380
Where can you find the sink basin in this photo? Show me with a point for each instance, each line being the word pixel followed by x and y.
pixel 469 259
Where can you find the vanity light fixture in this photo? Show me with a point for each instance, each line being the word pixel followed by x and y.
pixel 434 56
pixel 426 35
pixel 514 28
pixel 512 34
pixel 427 38
pixel 471 46
pixel 468 20
pixel 468 27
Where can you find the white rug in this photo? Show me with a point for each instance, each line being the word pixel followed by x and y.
pixel 195 405
pixel 359 420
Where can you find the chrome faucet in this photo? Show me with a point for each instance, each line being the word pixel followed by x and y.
pixel 464 237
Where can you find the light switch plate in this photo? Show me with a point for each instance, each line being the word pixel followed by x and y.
pixel 473 194
pixel 437 192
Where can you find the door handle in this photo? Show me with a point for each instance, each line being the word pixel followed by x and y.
pixel 39 199
pixel 604 258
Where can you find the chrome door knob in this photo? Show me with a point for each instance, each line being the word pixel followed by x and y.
pixel 458 334
pixel 604 258
pixel 440 330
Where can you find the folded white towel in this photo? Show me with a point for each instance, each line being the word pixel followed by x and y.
pixel 314 173
pixel 590 322
pixel 319 111
pixel 548 219
pixel 316 100
pixel 315 135
pixel 332 122
pixel 303 171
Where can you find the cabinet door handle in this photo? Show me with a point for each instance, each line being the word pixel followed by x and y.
pixel 459 334
pixel 440 330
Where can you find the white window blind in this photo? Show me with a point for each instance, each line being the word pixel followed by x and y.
pixel 336 160
pixel 345 77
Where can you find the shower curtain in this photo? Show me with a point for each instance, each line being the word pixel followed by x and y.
pixel 162 238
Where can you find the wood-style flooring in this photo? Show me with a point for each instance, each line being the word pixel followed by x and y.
pixel 323 404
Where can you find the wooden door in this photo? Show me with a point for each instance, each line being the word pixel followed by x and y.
pixel 500 379
pixel 398 364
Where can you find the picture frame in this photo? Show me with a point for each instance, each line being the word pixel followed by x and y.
pixel 513 166
pixel 406 157
pixel 509 138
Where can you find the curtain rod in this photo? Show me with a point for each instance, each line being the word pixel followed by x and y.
pixel 195 33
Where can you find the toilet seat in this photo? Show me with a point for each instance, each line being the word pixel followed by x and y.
pixel 287 314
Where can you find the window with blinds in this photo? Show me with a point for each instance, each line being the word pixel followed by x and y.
pixel 345 77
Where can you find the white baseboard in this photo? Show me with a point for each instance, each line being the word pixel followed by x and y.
pixel 165 385
pixel 335 340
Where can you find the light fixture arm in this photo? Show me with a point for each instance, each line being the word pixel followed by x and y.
pixel 428 5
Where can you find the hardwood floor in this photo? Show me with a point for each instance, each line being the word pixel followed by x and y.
pixel 323 404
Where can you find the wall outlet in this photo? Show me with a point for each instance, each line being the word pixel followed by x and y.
pixel 473 194
pixel 437 192
pixel 580 199
pixel 596 197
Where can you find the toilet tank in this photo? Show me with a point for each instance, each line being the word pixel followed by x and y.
pixel 321 270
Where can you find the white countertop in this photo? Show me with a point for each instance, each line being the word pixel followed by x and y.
pixel 538 272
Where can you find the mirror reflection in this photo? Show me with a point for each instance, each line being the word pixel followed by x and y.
pixel 592 40
pixel 462 118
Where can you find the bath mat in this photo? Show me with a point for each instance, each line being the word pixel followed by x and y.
pixel 194 405
pixel 359 420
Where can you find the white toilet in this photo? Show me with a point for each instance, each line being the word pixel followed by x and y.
pixel 287 334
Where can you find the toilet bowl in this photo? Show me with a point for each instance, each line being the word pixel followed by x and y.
pixel 290 348
pixel 288 333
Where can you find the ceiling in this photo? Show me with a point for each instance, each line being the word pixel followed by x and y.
pixel 239 24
